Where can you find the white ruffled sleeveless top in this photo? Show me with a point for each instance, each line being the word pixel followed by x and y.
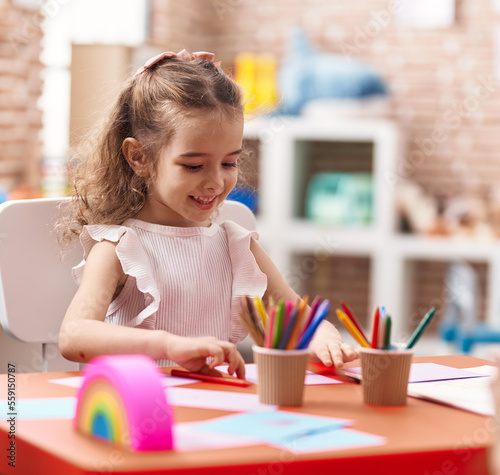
pixel 187 281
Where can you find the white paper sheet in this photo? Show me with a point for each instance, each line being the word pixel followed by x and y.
pixel 472 394
pixel 167 381
pixel 220 400
pixel 311 378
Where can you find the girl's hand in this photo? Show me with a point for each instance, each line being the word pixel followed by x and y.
pixel 192 354
pixel 328 348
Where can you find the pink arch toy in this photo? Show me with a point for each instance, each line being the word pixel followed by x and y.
pixel 122 401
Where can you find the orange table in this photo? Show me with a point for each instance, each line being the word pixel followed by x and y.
pixel 422 438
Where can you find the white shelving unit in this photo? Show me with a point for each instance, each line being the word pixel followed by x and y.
pixel 459 250
pixel 284 233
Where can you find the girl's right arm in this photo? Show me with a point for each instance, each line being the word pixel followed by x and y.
pixel 84 334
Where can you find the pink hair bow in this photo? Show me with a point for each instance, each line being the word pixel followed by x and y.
pixel 184 54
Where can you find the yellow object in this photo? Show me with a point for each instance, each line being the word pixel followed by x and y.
pixel 344 319
pixel 265 90
pixel 260 308
pixel 246 78
pixel 256 74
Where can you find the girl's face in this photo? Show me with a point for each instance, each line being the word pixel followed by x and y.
pixel 195 171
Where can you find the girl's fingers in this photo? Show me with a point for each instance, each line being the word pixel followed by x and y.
pixel 207 353
pixel 327 354
pixel 336 354
pixel 232 359
pixel 215 351
pixel 349 352
pixel 237 365
pixel 235 360
pixel 225 352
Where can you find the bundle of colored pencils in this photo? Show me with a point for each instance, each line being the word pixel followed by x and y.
pixel 381 327
pixel 285 325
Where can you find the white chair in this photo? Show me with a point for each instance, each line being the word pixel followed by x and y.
pixel 36 285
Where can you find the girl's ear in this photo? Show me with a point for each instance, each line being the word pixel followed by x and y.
pixel 134 154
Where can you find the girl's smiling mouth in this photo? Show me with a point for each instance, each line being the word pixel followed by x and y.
pixel 204 202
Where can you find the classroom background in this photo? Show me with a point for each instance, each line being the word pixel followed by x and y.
pixel 373 152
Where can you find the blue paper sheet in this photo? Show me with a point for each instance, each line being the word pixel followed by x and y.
pixel 272 426
pixel 333 440
pixel 299 433
pixel 40 408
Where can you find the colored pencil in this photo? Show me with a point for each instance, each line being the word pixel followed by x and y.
pixel 251 322
pixel 260 309
pixel 353 318
pixel 255 333
pixel 320 314
pixel 421 328
pixel 292 343
pixel 351 328
pixel 259 325
pixel 387 333
pixel 289 306
pixel 376 318
pixel 314 307
pixel 381 327
pixel 268 339
pixel 290 325
pixel 211 378
pixel 278 324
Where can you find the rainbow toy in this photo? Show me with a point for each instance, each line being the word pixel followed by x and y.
pixel 122 401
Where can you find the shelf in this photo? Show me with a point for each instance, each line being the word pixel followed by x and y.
pixel 341 129
pixel 309 237
pixel 443 248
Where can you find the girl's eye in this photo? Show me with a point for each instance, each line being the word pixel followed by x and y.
pixel 230 165
pixel 192 168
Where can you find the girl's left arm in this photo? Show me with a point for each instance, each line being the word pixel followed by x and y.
pixel 327 345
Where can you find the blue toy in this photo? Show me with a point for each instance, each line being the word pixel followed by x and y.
pixel 460 320
pixel 307 75
pixel 245 195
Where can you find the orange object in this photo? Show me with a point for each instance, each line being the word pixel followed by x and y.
pixel 25 191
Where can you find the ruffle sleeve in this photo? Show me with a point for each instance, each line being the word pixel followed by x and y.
pixel 248 279
pixel 135 263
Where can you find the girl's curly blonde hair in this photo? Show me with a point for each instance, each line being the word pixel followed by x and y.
pixel 149 108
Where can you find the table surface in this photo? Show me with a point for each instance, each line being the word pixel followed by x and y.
pixel 424 437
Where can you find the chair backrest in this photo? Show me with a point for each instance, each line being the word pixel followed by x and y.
pixel 36 286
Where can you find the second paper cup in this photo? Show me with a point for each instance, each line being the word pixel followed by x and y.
pixel 281 375
pixel 385 375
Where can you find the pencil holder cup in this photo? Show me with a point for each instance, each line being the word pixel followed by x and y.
pixel 281 375
pixel 385 375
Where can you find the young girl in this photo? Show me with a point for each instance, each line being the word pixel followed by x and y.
pixel 158 276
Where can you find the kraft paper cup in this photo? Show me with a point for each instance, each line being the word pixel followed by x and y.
pixel 281 375
pixel 385 375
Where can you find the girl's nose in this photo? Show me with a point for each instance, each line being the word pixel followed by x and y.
pixel 214 181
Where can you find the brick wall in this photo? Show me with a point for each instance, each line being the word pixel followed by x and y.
pixel 176 25
pixel 20 89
